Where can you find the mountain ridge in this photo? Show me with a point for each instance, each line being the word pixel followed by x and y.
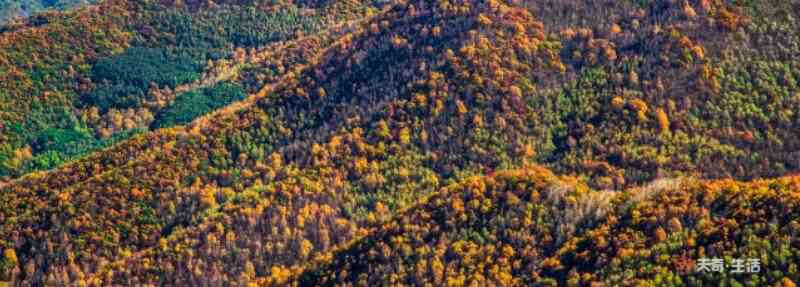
pixel 356 141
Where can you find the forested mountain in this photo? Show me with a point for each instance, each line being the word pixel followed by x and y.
pixel 527 227
pixel 468 142
pixel 19 9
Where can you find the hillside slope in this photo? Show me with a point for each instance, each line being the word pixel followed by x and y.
pixel 529 228
pixel 372 138
pixel 80 81
pixel 272 142
pixel 15 9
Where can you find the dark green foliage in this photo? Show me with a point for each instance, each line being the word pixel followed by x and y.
pixel 58 139
pixel 191 105
pixel 53 147
pixel 208 33
pixel 123 80
pixel 61 146
pixel 139 67
pixel 107 96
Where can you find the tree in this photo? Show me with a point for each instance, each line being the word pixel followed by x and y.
pixel 11 256
pixel 663 120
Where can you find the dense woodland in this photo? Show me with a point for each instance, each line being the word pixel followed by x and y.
pixel 18 10
pixel 412 142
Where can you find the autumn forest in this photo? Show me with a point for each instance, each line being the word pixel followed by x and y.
pixel 400 142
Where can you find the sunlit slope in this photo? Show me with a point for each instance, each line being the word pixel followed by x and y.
pixel 529 228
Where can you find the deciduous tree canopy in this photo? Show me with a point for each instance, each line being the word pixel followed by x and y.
pixel 448 142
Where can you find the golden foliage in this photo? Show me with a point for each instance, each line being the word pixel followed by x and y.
pixel 663 120
pixel 10 256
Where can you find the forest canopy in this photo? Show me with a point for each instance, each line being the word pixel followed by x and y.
pixel 124 79
pixel 372 143
pixel 188 106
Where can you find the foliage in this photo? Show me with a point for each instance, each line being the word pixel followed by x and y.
pixel 58 67
pixel 51 139
pixel 191 105
pixel 61 150
pixel 500 230
pixel 139 67
pixel 107 96
pixel 414 143
pixel 10 9
pixel 125 79
pixel 210 32
pixel 38 68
